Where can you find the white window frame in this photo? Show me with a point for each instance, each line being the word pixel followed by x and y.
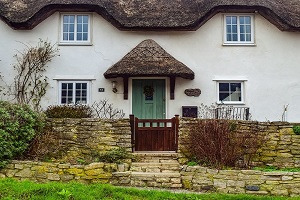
pixel 239 42
pixel 75 41
pixel 74 91
pixel 231 102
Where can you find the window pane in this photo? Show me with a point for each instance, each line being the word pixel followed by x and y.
pixel 65 36
pixel 71 28
pixel 228 29
pixel 85 36
pixel 248 37
pixel 234 29
pixel 66 19
pixel 242 37
pixel 223 96
pixel 64 85
pixel 72 19
pixel 84 85
pixel 224 86
pixel 79 36
pixel 242 29
pixel 79 19
pixel 234 19
pixel 63 101
pixel 248 29
pixel 234 37
pixel 242 20
pixel 79 28
pixel 65 28
pixel 85 19
pixel 85 27
pixel 247 20
pixel 228 20
pixel 71 36
pixel 235 87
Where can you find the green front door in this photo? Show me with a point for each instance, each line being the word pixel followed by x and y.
pixel 148 98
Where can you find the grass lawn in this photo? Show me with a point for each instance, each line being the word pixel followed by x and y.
pixel 13 190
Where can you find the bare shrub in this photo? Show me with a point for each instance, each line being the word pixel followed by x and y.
pixel 105 110
pixel 44 146
pixel 219 143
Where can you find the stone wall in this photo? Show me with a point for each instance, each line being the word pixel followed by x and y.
pixel 281 147
pixel 81 138
pixel 240 181
pixel 45 172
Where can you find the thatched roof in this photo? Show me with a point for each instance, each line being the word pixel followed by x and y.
pixel 151 14
pixel 149 59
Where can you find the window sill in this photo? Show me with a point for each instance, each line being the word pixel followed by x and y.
pixel 240 44
pixel 75 44
pixel 231 103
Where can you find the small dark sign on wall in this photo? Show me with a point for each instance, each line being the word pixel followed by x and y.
pixel 192 92
pixel 101 89
pixel 190 111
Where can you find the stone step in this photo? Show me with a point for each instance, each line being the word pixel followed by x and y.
pixel 152 179
pixel 155 167
pixel 156 157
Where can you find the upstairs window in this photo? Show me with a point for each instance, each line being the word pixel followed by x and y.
pixel 75 28
pixel 230 92
pixel 239 29
pixel 74 92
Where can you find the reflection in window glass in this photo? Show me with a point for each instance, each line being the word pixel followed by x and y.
pixel 230 92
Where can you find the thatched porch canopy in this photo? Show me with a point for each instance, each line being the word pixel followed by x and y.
pixel 148 59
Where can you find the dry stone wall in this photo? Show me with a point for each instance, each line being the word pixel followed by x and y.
pixel 82 138
pixel 79 138
pixel 241 181
pixel 281 147
pixel 45 172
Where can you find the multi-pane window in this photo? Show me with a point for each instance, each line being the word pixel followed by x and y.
pixel 75 28
pixel 230 92
pixel 74 92
pixel 238 29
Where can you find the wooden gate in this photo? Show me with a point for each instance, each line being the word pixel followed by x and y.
pixel 154 134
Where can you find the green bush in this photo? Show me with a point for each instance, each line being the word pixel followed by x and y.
pixel 69 111
pixel 296 130
pixel 113 156
pixel 18 125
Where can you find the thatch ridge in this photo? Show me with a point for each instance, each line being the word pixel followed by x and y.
pixel 151 14
pixel 149 59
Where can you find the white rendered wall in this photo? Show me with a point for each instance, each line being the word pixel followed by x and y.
pixel 271 68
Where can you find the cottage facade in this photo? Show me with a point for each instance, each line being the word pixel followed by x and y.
pixel 143 55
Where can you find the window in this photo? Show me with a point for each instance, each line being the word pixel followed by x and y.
pixel 230 92
pixel 75 28
pixel 238 29
pixel 74 92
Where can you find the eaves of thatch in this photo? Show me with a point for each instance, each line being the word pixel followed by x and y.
pixel 151 14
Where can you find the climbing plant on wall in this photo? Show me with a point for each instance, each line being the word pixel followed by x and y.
pixel 30 81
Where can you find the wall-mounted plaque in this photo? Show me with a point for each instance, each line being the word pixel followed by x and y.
pixel 192 92
pixel 190 111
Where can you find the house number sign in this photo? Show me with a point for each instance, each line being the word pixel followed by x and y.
pixel 192 92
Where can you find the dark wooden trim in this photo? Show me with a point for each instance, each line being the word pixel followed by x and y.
pixel 172 87
pixel 132 127
pixel 125 80
pixel 176 123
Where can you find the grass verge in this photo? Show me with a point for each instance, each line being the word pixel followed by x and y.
pixel 23 190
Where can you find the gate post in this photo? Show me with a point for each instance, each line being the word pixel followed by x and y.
pixel 132 126
pixel 176 123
